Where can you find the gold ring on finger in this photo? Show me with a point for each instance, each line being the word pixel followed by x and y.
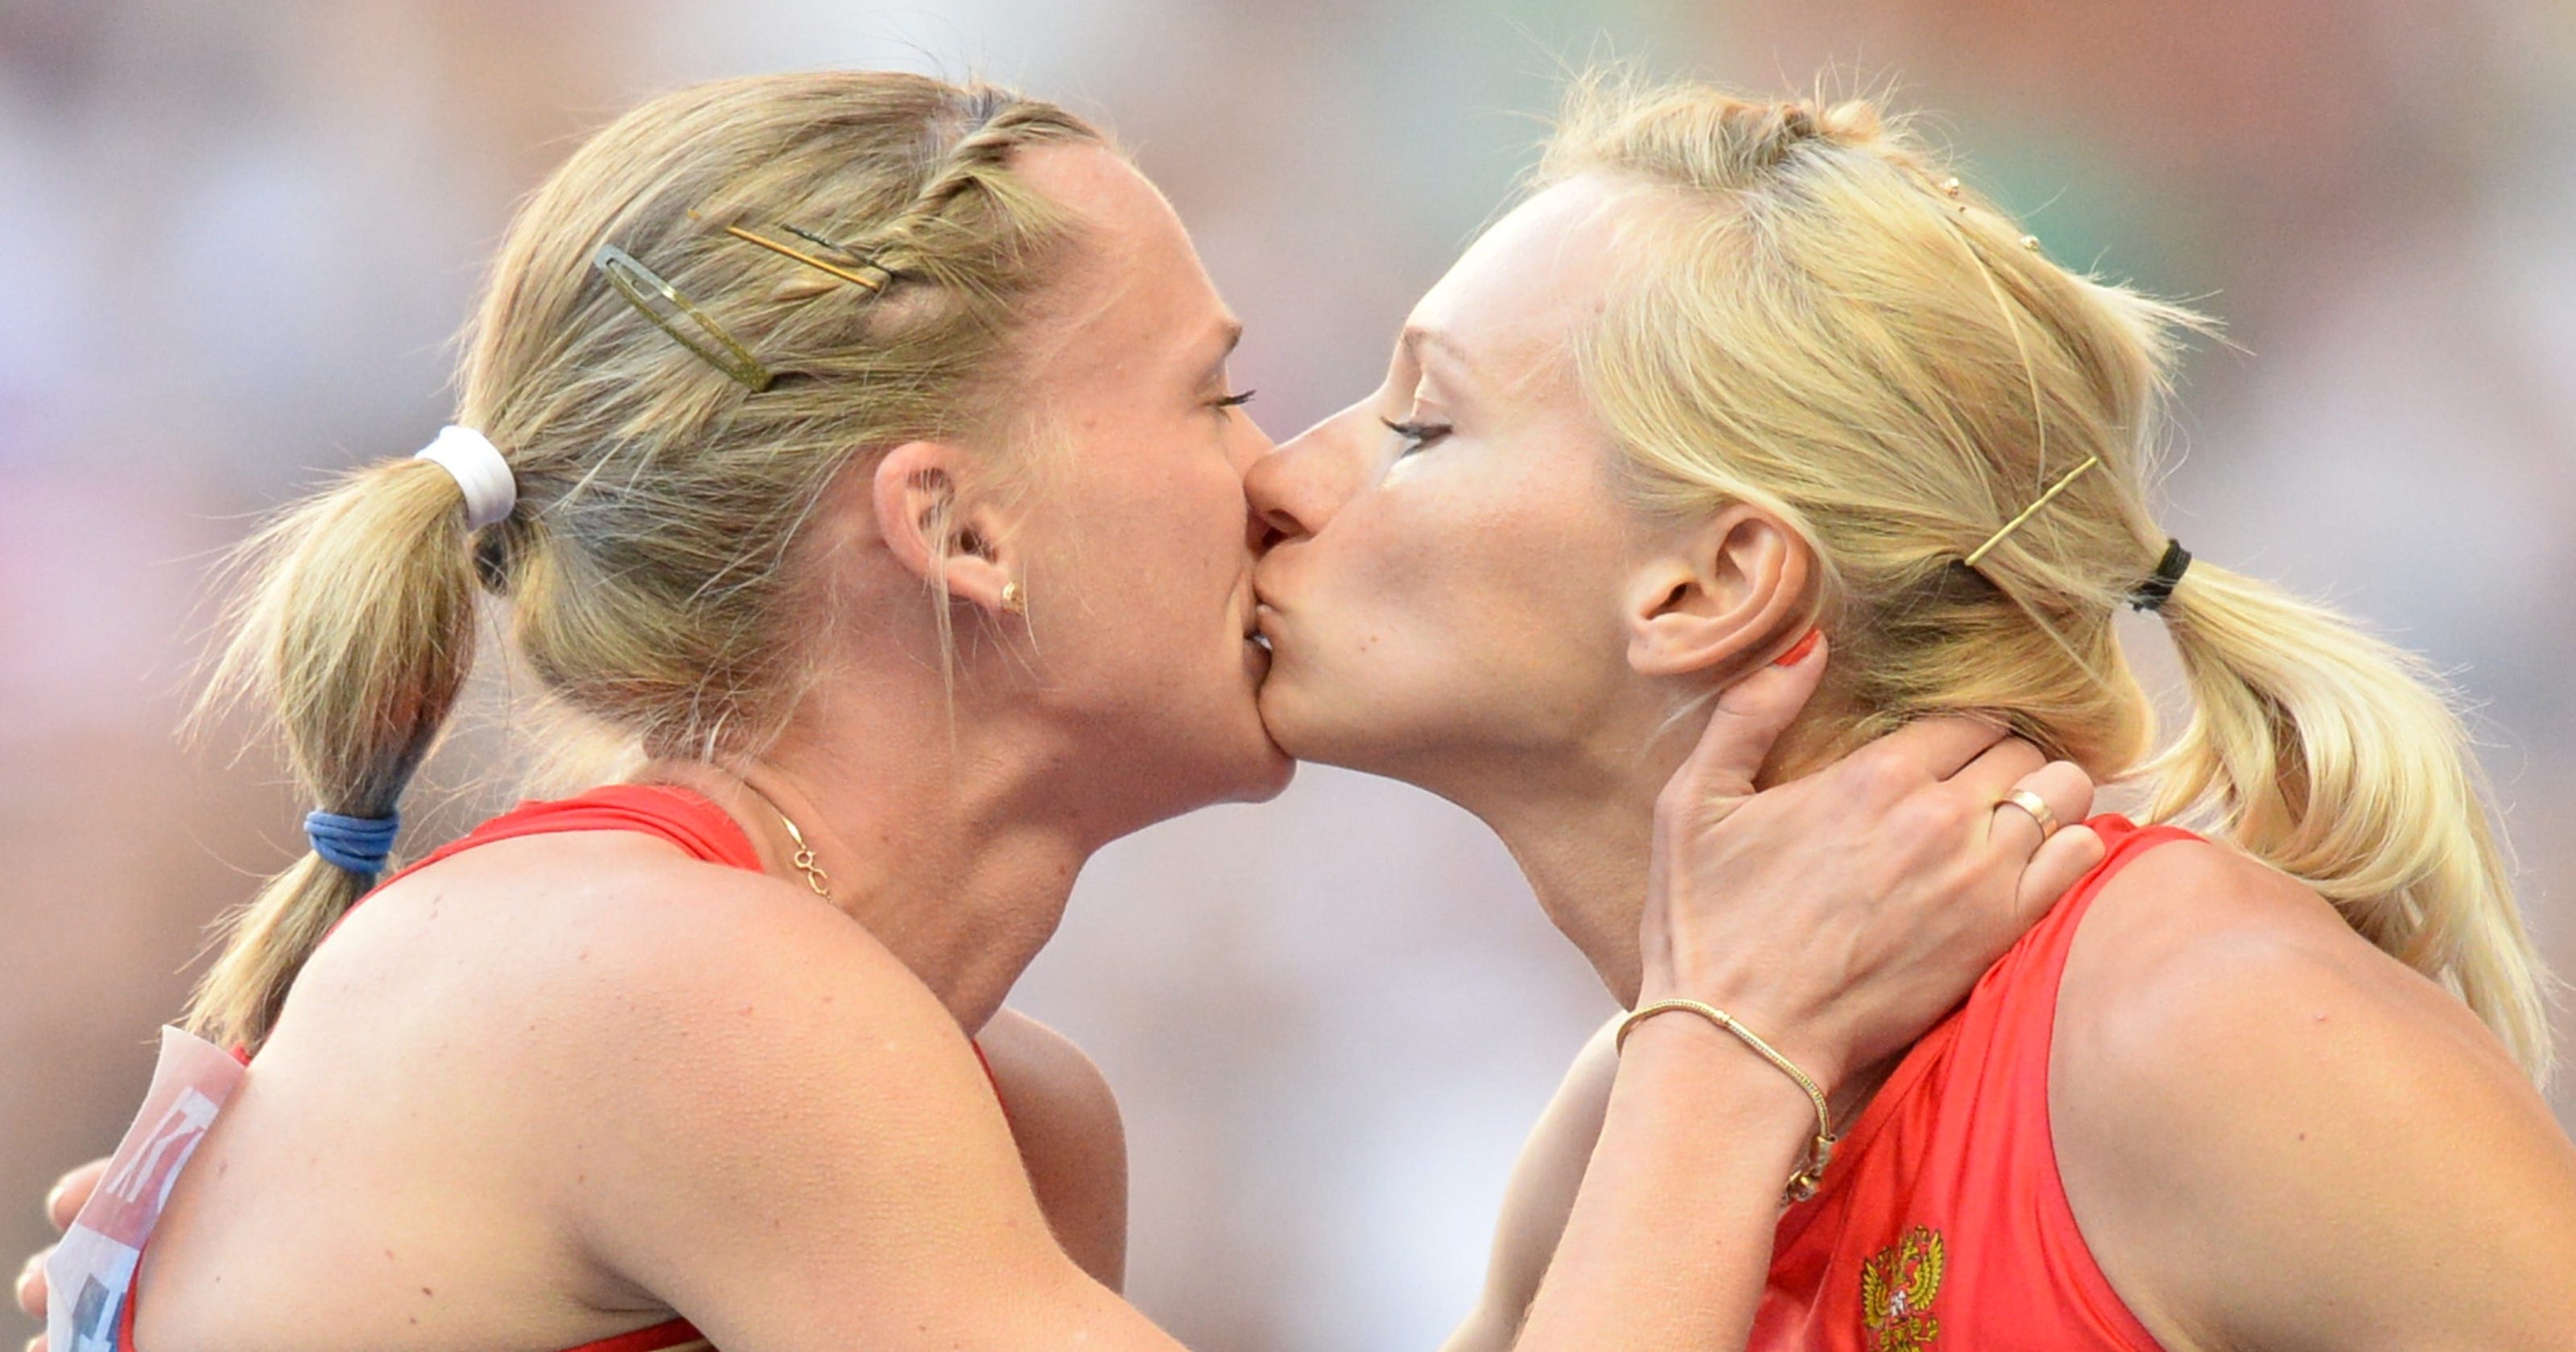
pixel 2036 806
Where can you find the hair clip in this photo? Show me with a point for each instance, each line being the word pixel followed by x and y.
pixel 1978 555
pixel 641 286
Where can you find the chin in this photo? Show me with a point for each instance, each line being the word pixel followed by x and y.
pixel 1278 768
pixel 1300 730
pixel 1253 769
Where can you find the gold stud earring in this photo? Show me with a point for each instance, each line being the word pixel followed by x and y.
pixel 1014 600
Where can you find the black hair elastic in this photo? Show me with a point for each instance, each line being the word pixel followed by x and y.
pixel 2155 591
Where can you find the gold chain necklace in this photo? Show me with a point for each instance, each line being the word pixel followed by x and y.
pixel 815 877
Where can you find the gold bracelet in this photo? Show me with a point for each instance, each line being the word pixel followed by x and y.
pixel 1803 1183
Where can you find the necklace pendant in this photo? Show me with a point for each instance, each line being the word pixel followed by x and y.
pixel 815 877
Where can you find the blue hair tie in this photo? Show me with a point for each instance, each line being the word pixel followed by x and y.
pixel 358 844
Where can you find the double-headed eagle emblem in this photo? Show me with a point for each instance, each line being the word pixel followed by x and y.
pixel 1897 1285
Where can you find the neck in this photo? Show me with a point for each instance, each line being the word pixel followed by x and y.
pixel 1581 827
pixel 955 852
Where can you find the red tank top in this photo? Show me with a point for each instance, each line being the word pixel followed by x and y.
pixel 677 815
pixel 1942 1222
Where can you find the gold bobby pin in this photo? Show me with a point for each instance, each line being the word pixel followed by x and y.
pixel 872 284
pixel 2032 510
pixel 632 280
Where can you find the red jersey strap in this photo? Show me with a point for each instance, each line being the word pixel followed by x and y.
pixel 670 1335
pixel 683 817
pixel 667 1336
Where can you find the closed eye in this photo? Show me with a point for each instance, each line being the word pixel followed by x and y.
pixel 1416 435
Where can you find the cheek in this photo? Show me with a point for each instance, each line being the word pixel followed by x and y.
pixel 1472 595
pixel 1150 562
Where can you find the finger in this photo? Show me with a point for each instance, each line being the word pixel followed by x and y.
pixel 1998 769
pixel 1938 748
pixel 71 1193
pixel 31 1284
pixel 2062 786
pixel 2062 861
pixel 1750 715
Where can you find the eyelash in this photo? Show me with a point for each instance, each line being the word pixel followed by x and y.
pixel 1237 400
pixel 1417 436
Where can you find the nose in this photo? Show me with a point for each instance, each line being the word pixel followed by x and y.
pixel 1295 490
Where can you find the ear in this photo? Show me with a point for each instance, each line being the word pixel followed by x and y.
pixel 939 530
pixel 1720 596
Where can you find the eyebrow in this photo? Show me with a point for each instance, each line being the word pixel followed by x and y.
pixel 1416 339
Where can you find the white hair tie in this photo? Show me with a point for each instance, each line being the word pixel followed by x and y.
pixel 490 489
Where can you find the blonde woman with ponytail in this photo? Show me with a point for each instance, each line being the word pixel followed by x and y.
pixel 856 451
pixel 1737 369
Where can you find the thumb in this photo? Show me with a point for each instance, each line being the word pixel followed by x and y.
pixel 1750 715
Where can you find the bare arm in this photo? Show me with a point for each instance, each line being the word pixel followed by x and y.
pixel 1538 1197
pixel 1072 1142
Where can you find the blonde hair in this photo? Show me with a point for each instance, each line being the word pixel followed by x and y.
pixel 661 502
pixel 1822 321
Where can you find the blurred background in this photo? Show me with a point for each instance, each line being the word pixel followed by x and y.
pixel 235 239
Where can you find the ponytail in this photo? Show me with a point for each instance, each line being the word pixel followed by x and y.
pixel 355 634
pixel 2335 758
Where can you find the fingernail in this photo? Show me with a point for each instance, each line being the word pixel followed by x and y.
pixel 53 1198
pixel 1798 652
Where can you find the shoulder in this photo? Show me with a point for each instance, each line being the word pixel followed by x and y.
pixel 749 1088
pixel 701 1081
pixel 2197 961
pixel 2236 1071
pixel 716 972
pixel 528 953
pixel 1065 1120
pixel 601 930
pixel 600 982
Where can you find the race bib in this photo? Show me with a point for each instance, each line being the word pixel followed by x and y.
pixel 92 1270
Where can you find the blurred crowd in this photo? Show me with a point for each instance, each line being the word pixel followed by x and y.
pixel 237 238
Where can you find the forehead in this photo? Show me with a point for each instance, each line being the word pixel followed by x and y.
pixel 1137 292
pixel 1514 302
